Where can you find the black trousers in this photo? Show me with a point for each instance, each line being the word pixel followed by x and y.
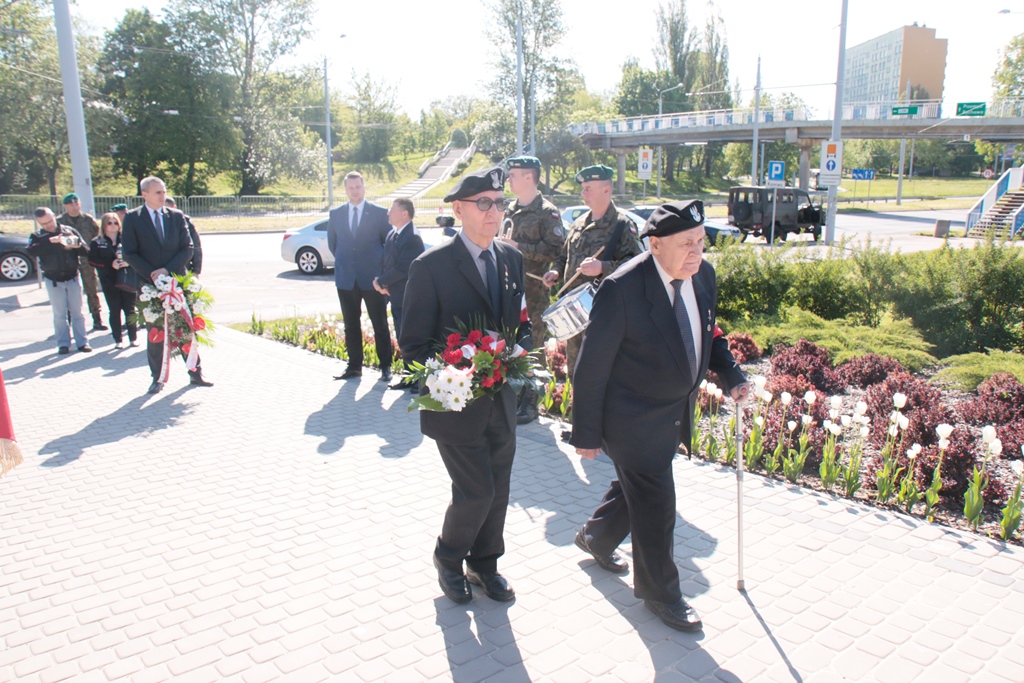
pixel 474 523
pixel 644 506
pixel 352 311
pixel 120 303
pixel 155 353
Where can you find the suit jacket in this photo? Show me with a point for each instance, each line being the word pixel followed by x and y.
pixel 143 249
pixel 399 252
pixel 357 257
pixel 196 265
pixel 633 392
pixel 445 285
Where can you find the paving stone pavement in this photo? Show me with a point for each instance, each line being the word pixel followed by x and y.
pixel 279 526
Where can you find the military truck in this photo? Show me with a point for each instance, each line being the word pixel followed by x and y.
pixel 750 210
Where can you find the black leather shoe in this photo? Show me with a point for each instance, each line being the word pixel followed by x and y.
pixel 566 435
pixel 494 584
pixel 677 615
pixel 85 348
pixel 404 383
pixel 98 326
pixel 453 584
pixel 200 382
pixel 611 563
pixel 350 373
pixel 385 374
pixel 63 350
pixel 155 388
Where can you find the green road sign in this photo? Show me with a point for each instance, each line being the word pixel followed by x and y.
pixel 970 108
pixel 904 111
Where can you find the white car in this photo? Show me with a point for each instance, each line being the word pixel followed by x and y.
pixel 306 247
pixel 573 212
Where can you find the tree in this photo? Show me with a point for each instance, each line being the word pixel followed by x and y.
pixel 375 113
pixel 1008 79
pixel 738 154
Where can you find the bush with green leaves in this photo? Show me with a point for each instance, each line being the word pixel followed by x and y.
pixel 968 370
pixel 459 138
pixel 751 282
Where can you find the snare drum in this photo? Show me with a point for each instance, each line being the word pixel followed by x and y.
pixel 570 315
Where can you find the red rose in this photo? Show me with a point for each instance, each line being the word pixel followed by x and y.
pixel 452 356
pixel 486 341
pixel 156 335
pixel 198 323
pixel 454 340
pixel 474 336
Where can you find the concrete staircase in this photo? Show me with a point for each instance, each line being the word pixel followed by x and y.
pixel 999 218
pixel 437 172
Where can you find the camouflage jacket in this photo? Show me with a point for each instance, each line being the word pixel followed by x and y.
pixel 587 236
pixel 86 226
pixel 537 229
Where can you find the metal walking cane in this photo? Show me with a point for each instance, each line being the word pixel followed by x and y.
pixel 740 584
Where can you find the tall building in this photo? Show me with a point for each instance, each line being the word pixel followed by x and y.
pixel 877 70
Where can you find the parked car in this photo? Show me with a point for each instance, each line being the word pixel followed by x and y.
pixel 15 262
pixel 750 210
pixel 306 247
pixel 570 215
pixel 715 231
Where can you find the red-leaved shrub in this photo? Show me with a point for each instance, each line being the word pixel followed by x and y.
pixel 864 371
pixel 744 348
pixel 810 360
pixel 1000 400
pixel 774 426
pixel 797 386
pixel 924 409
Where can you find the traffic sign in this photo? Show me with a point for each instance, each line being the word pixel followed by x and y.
pixel 970 108
pixel 776 174
pixel 905 111
pixel 644 165
pixel 862 173
pixel 831 170
pixel 988 174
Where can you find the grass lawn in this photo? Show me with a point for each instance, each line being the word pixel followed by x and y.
pixel 917 187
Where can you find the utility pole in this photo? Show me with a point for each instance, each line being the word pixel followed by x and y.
pixel 757 116
pixel 519 82
pixel 330 160
pixel 73 111
pixel 903 157
pixel 661 94
pixel 837 127
pixel 533 117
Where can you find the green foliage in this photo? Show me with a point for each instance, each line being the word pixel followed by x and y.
pixel 1010 521
pixel 968 370
pixel 974 498
pixel 751 282
pixel 459 138
pixel 897 339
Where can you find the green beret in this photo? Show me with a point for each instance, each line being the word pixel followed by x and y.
pixel 69 197
pixel 119 207
pixel 674 217
pixel 524 162
pixel 598 172
pixel 472 184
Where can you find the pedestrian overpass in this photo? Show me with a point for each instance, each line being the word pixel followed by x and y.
pixel 1003 122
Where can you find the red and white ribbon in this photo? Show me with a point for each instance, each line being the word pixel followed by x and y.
pixel 173 296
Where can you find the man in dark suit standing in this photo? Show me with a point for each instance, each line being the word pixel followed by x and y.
pixel 470 276
pixel 356 233
pixel 402 246
pixel 652 337
pixel 155 241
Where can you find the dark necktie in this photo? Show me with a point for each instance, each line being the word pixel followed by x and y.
pixel 355 220
pixel 492 281
pixel 159 224
pixel 683 320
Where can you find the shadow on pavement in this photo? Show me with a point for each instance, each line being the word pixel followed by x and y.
pixel 771 637
pixel 333 423
pixel 159 414
pixel 111 361
pixel 490 654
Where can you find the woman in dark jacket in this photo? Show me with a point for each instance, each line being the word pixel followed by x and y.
pixel 105 256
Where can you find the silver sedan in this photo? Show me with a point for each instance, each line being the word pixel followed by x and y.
pixel 306 247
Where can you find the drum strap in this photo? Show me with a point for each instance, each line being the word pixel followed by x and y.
pixel 614 241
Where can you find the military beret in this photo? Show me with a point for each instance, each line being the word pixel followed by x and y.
pixel 119 207
pixel 524 162
pixel 674 217
pixel 69 197
pixel 598 172
pixel 471 184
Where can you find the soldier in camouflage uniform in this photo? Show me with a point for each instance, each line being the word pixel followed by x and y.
pixel 537 233
pixel 87 226
pixel 590 232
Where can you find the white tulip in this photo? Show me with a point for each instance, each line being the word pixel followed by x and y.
pixel 988 433
pixel 809 398
pixel 894 417
pixel 719 393
pixel 943 444
pixel 759 381
pixel 835 429
pixel 1017 466
pixel 899 400
pixel 996 447
pixel 864 431
pixel 806 419
pixel 827 424
pixel 904 422
pixel 766 396
pixel 836 402
pixel 846 420
pixel 759 421
pixel 703 384
pixel 791 425
pixel 833 413
pixel 893 430
pixel 711 387
pixel 944 430
pixel 786 397
pixel 861 408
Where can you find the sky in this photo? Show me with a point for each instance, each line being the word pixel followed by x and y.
pixel 432 49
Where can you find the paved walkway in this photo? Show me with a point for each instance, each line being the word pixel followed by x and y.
pixel 280 525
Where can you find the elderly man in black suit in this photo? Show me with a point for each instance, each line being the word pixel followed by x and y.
pixel 651 338
pixel 155 241
pixel 470 276
pixel 402 247
pixel 356 233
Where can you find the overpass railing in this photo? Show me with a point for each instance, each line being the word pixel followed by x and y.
pixel 1010 180
pixel 690 119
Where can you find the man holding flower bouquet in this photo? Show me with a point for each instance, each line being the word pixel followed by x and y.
pixel 468 280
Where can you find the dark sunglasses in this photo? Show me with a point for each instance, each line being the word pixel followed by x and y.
pixel 485 203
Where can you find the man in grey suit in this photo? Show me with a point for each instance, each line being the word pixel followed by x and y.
pixel 155 241
pixel 356 233
pixel 651 339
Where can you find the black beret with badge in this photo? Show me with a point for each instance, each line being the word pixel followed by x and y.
pixel 674 217
pixel 598 172
pixel 487 180
pixel 523 162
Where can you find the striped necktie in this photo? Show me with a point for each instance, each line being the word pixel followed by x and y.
pixel 683 320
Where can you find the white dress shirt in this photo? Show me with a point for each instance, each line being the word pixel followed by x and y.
pixel 690 300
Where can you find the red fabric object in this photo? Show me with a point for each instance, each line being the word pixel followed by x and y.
pixel 156 335
pixel 6 428
pixel 718 332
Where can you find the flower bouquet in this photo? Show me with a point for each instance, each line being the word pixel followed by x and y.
pixel 473 363
pixel 180 303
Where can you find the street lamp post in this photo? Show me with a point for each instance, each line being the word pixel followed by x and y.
pixel 660 100
pixel 327 118
pixel 837 126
